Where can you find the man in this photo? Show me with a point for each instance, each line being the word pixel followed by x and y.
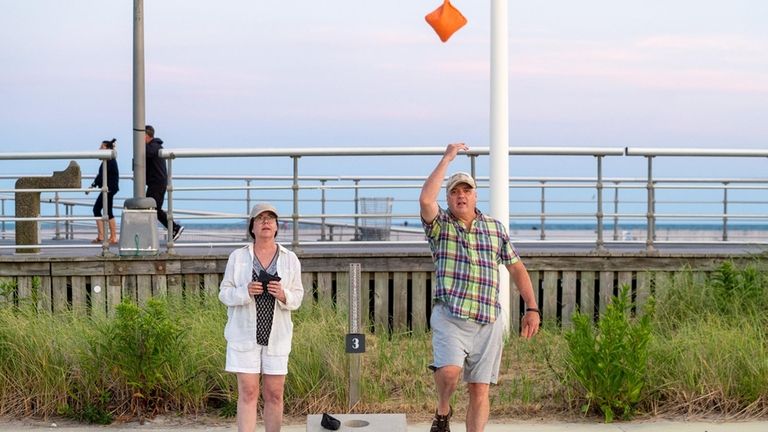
pixel 157 178
pixel 467 247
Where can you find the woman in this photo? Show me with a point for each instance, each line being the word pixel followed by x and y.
pixel 113 178
pixel 261 286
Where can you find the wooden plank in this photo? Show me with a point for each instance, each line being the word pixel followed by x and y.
pixel 342 292
pixel 59 291
pixel 133 266
pixel 175 285
pixel 24 288
pixel 79 294
pixel 79 268
pixel 45 294
pixel 369 262
pixel 643 288
pixel 569 298
pixel 535 275
pixel 419 301
pixel 700 278
pixel 549 303
pixel 308 283
pixel 211 285
pixel 400 299
pixel 587 301
pixel 191 285
pixel 325 289
pixel 143 288
pixel 98 296
pixel 25 268
pixel 365 299
pixel 129 288
pixel 606 290
pixel 514 306
pixel 6 282
pixel 114 293
pixel 201 266
pixel 662 283
pixel 160 286
pixel 381 301
pixel 625 278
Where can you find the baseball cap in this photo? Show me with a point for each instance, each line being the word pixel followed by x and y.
pixel 460 177
pixel 257 210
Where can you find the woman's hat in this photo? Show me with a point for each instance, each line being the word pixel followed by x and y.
pixel 256 211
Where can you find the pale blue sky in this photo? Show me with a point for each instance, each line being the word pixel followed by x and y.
pixel 653 73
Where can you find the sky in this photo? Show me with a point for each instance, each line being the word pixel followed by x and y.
pixel 343 73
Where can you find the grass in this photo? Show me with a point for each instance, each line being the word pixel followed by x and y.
pixel 708 355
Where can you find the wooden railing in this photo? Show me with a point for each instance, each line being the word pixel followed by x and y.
pixel 396 288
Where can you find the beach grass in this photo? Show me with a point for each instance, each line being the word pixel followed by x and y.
pixel 707 355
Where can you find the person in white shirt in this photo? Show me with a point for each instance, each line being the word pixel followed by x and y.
pixel 261 286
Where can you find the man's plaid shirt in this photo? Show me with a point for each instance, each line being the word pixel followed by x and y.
pixel 467 263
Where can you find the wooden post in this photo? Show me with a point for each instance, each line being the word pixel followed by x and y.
pixel 355 340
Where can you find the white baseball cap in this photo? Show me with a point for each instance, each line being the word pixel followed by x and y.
pixel 460 177
pixel 256 211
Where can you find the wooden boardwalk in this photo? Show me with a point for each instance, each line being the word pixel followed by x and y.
pixel 397 278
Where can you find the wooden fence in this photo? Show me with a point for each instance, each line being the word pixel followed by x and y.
pixel 396 288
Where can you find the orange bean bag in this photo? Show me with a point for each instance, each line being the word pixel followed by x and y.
pixel 446 20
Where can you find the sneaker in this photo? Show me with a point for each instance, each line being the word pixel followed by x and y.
pixel 441 423
pixel 177 232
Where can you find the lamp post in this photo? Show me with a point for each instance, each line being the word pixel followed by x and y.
pixel 138 232
pixel 139 146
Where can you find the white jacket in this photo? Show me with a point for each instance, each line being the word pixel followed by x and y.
pixel 240 330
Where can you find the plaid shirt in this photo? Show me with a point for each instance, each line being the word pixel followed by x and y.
pixel 467 263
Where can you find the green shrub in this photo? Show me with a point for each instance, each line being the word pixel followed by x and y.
pixel 143 345
pixel 738 291
pixel 608 362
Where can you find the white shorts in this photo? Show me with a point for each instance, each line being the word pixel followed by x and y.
pixel 250 357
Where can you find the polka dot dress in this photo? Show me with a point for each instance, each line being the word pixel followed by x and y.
pixel 265 303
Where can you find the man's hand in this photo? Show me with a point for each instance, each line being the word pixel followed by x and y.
pixel 531 322
pixel 453 149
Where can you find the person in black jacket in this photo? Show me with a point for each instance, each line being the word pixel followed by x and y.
pixel 113 179
pixel 157 178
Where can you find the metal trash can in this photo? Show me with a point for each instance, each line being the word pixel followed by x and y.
pixel 138 228
pixel 376 228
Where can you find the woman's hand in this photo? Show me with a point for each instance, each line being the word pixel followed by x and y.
pixel 255 288
pixel 276 289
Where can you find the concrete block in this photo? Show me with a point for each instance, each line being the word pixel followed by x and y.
pixel 361 423
pixel 138 232
pixel 28 203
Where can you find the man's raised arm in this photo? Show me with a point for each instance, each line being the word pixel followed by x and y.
pixel 431 188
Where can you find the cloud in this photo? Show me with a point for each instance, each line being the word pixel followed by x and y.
pixel 707 63
pixel 702 43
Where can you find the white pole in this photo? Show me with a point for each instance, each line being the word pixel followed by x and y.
pixel 139 147
pixel 499 152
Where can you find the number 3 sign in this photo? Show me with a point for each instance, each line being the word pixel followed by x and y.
pixel 355 343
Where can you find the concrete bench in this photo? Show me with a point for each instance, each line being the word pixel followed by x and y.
pixel 28 203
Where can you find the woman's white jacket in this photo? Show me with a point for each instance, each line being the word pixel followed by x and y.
pixel 240 330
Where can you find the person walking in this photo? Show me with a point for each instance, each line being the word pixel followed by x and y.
pixel 157 178
pixel 113 180
pixel 467 248
pixel 261 286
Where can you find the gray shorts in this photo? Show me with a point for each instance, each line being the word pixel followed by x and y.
pixel 474 347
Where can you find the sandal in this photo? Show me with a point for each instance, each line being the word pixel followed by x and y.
pixel 97 241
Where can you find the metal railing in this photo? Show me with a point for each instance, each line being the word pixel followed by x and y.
pixel 312 205
pixel 69 217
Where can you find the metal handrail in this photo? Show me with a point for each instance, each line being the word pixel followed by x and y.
pixel 296 183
